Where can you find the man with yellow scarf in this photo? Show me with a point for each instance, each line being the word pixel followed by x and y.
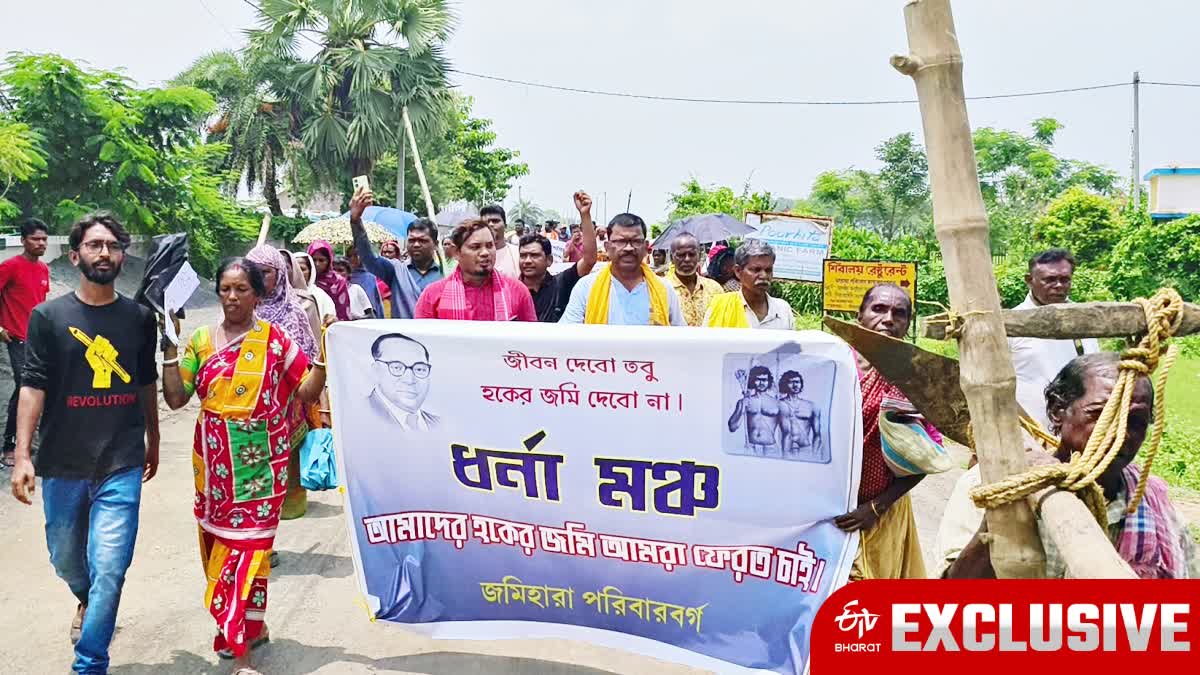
pixel 751 306
pixel 625 292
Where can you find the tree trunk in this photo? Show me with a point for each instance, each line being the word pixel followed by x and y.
pixel 988 379
pixel 270 189
pixel 401 157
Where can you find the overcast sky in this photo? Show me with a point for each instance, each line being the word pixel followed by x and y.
pixel 759 49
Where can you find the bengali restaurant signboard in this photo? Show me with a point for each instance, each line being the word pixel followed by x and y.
pixel 847 281
pixel 665 491
pixel 801 243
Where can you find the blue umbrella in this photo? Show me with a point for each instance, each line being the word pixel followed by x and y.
pixel 707 228
pixel 392 220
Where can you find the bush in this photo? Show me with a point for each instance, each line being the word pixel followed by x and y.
pixel 1087 224
pixel 286 227
pixel 1156 255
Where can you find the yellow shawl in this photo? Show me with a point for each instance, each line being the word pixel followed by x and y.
pixel 597 302
pixel 726 311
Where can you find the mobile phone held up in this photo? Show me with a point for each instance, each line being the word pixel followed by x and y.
pixel 360 183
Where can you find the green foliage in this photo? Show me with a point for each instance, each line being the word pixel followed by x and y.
pixel 1178 459
pixel 892 202
pixel 251 120
pixel 135 152
pixel 374 59
pixel 1020 174
pixel 22 157
pixel 695 199
pixel 1087 224
pixel 1150 256
pixel 285 228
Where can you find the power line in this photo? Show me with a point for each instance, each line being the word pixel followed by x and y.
pixel 734 101
pixel 687 99
pixel 1172 84
pixel 218 21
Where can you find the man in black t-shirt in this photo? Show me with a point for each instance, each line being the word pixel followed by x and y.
pixel 552 291
pixel 90 378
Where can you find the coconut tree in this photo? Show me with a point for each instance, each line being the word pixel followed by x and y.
pixel 373 59
pixel 250 118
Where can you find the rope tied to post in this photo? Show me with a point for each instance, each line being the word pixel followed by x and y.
pixel 953 320
pixel 1164 314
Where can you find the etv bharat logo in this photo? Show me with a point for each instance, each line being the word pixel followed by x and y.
pixel 863 620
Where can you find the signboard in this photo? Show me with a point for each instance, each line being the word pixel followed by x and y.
pixel 801 243
pixel 626 486
pixel 847 281
pixel 558 249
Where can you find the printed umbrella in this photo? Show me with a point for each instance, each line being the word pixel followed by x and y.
pixel 456 212
pixel 707 228
pixel 337 231
pixel 392 220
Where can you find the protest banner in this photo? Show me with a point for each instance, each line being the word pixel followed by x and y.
pixel 801 243
pixel 665 491
pixel 847 281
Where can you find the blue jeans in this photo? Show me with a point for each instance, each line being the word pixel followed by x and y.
pixel 91 526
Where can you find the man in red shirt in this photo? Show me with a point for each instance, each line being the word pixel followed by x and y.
pixel 24 283
pixel 476 291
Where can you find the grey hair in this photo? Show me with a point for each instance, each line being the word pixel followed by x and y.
pixel 1071 382
pixel 680 239
pixel 752 248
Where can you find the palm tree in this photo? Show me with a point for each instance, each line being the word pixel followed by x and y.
pixel 374 59
pixel 527 211
pixel 251 119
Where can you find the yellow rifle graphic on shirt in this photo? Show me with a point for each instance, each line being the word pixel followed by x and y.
pixel 102 357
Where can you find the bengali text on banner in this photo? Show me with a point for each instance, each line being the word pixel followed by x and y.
pixel 665 491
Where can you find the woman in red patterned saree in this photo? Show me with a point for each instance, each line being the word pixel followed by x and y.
pixel 245 372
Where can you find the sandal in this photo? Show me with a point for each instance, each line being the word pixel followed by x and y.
pixel 246 671
pixel 9 460
pixel 263 638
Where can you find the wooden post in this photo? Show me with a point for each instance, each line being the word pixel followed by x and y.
pixel 935 64
pixel 1075 320
pixel 412 141
pixel 431 213
pixel 264 229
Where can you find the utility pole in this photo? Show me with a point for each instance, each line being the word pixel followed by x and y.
pixel 1137 146
pixel 629 202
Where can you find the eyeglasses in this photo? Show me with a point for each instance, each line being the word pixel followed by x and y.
pixel 397 368
pixel 626 243
pixel 97 245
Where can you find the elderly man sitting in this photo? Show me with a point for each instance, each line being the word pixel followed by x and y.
pixel 1154 541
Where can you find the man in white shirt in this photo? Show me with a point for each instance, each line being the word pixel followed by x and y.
pixel 754 268
pixel 508 256
pixel 1038 361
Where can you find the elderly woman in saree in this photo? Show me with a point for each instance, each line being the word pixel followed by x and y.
pixel 281 306
pixel 246 371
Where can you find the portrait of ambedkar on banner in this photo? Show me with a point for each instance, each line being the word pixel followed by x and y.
pixel 401 370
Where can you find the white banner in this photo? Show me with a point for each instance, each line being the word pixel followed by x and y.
pixel 666 491
pixel 801 244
